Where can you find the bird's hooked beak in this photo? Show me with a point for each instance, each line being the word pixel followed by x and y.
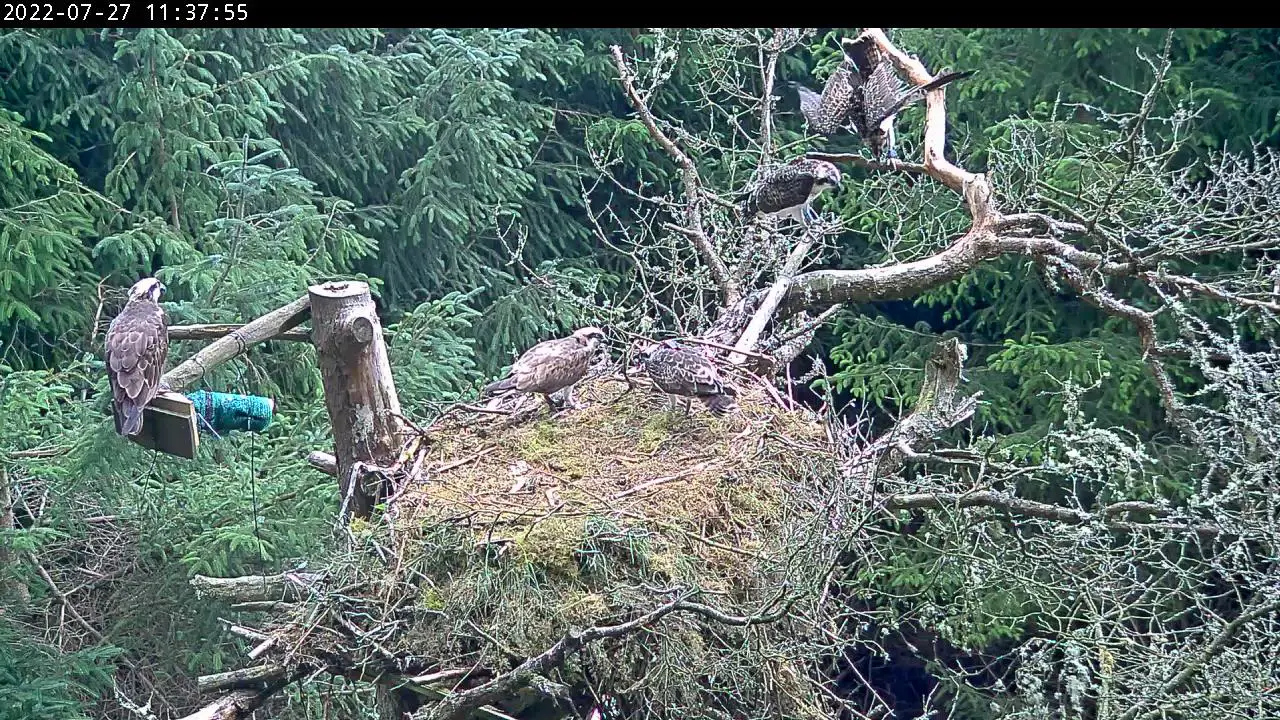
pixel 147 288
pixel 831 178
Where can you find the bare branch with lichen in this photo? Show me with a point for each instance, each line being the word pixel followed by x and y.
pixel 689 173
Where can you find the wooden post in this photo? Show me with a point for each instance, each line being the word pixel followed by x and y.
pixel 358 390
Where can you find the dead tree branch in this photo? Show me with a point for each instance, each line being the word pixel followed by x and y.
pixel 769 306
pixel 459 705
pixel 692 182
pixel 1212 650
pixel 236 706
pixel 285 587
pixel 250 677
pixel 857 160
pixel 241 704
pixel 89 628
pixel 324 462
pixel 937 409
pixel 1045 511
pixel 219 330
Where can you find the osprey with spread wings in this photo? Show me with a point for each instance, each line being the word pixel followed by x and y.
pixel 827 112
pixel 137 344
pixel 876 94
pixel 551 366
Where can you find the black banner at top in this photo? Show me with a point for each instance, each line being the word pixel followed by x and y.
pixel 133 14
pixel 105 14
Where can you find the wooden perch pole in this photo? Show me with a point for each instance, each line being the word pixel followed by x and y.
pixel 238 341
pixel 221 330
pixel 358 390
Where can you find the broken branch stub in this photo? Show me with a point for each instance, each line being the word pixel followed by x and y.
pixel 938 408
pixel 359 392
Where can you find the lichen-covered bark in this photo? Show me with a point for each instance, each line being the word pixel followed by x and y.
pixel 359 392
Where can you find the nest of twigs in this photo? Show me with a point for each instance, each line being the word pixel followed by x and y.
pixel 510 534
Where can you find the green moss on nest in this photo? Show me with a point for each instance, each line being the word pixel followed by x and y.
pixel 552 545
pixel 513 535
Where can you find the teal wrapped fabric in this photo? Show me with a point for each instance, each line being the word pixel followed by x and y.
pixel 224 412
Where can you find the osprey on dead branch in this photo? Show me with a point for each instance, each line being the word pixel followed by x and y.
pixel 551 365
pixel 678 369
pixel 786 190
pixel 876 94
pixel 137 343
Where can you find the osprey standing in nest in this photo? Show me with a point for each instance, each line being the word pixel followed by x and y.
pixel 551 365
pixel 877 96
pixel 137 343
pixel 678 369
pixel 786 190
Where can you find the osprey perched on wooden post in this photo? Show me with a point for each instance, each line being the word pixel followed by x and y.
pixel 551 365
pixel 678 369
pixel 137 344
pixel 877 96
pixel 786 190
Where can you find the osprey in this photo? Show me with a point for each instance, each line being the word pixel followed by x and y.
pixel 551 365
pixel 678 369
pixel 826 113
pixel 137 344
pixel 877 96
pixel 786 190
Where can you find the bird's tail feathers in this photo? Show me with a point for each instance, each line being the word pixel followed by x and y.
pixel 919 91
pixel 810 103
pixel 719 404
pixel 945 78
pixel 128 419
pixel 492 389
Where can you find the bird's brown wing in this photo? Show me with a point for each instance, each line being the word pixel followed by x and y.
pixel 864 54
pixel 683 371
pixel 137 344
pixel 783 187
pixel 884 96
pixel 551 365
pixel 835 103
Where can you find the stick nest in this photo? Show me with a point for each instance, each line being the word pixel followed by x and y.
pixel 510 533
